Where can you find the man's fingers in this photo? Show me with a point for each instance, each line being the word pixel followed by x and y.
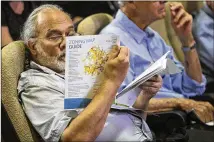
pixel 124 50
pixel 179 15
pixel 151 84
pixel 206 114
pixel 175 6
pixel 114 52
pixel 183 21
pixel 210 111
pixel 200 114
pixel 150 89
pixel 156 78
pixel 123 55
pixel 173 13
pixel 207 109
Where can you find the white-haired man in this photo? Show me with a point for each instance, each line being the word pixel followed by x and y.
pixel 131 24
pixel 41 87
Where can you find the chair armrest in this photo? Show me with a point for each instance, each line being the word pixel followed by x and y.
pixel 167 121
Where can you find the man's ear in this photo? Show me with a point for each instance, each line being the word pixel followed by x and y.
pixel 31 46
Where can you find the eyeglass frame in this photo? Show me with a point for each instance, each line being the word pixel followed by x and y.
pixel 60 37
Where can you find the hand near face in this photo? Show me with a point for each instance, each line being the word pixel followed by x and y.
pixel 151 86
pixel 182 23
pixel 117 65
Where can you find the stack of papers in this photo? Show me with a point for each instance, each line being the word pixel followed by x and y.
pixel 128 95
pixel 154 69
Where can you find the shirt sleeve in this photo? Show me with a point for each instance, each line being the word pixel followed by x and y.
pixel 181 82
pixel 43 104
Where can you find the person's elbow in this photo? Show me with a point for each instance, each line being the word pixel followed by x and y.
pixel 69 136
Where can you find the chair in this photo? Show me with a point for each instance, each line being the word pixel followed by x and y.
pixel 13 60
pixel 93 24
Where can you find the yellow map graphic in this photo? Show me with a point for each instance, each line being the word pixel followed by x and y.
pixel 95 60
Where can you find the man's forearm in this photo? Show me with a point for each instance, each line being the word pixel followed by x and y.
pixel 192 65
pixel 158 104
pixel 142 103
pixel 89 123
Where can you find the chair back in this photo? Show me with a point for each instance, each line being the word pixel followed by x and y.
pixel 13 61
pixel 93 24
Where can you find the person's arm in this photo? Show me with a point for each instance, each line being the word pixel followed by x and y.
pixel 89 123
pixel 5 36
pixel 204 110
pixel 142 102
pixel 149 90
pixel 182 24
pixel 5 33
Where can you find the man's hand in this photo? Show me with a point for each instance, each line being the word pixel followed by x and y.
pixel 182 23
pixel 151 87
pixel 204 110
pixel 117 65
pixel 149 90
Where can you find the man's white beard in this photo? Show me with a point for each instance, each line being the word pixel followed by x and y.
pixel 53 62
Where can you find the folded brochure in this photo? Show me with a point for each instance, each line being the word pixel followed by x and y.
pixel 128 95
pixel 85 60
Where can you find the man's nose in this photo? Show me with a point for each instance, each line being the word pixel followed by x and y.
pixel 62 44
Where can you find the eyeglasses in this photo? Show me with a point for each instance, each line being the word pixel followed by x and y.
pixel 58 38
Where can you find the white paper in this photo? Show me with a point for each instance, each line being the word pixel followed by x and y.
pixel 85 59
pixel 162 66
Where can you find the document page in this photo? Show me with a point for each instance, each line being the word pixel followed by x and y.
pixel 85 60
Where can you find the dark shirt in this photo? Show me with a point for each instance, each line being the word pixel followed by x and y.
pixel 85 8
pixel 14 21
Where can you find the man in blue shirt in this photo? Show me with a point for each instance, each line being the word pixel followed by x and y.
pixel 131 24
pixel 203 31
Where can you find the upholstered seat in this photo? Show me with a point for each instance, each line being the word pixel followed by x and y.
pixel 93 24
pixel 13 60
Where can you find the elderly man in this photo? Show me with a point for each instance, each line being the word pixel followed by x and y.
pixel 41 87
pixel 146 46
pixel 203 31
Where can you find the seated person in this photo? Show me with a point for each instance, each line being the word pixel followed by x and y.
pixel 203 31
pixel 41 88
pixel 131 24
pixel 14 14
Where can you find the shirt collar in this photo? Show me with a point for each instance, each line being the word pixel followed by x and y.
pixel 36 66
pixel 137 33
pixel 207 10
